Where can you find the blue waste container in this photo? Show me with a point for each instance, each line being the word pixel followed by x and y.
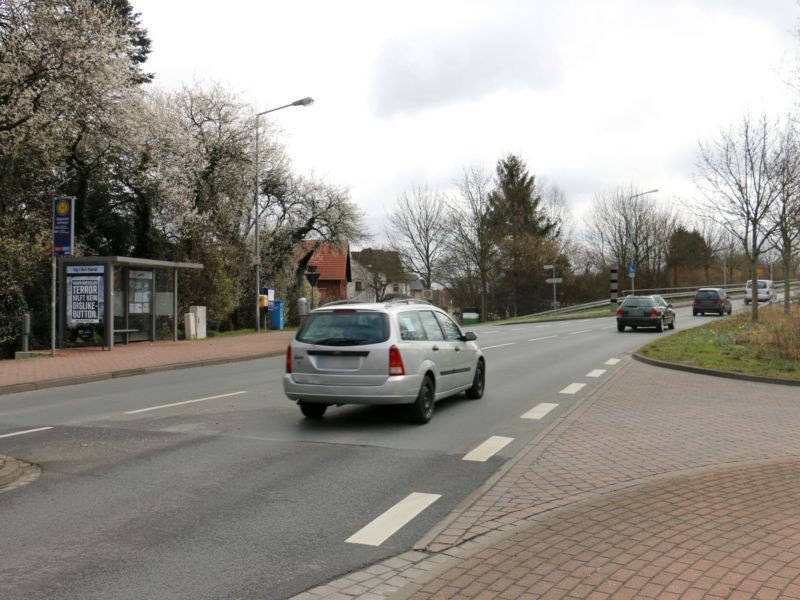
pixel 276 316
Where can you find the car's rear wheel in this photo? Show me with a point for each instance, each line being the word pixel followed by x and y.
pixel 660 325
pixel 422 408
pixel 672 323
pixel 312 410
pixel 620 327
pixel 478 382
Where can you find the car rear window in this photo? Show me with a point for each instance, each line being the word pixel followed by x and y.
pixel 706 295
pixel 344 328
pixel 638 301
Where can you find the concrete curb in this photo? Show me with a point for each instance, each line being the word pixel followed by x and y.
pixel 702 371
pixel 78 379
pixel 10 472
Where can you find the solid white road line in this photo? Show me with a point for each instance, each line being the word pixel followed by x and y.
pixel 498 346
pixel 547 337
pixel 540 326
pixel 581 331
pixel 539 411
pixel 612 361
pixel 5 435
pixel 382 528
pixel 488 448
pixel 573 388
pixel 596 373
pixel 141 410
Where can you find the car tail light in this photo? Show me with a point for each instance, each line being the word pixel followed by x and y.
pixel 717 301
pixel 619 312
pixel 654 313
pixel 396 362
pixel 695 301
pixel 289 359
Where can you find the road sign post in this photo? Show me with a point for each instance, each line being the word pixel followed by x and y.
pixel 63 243
pixel 554 280
pixel 614 287
pixel 632 275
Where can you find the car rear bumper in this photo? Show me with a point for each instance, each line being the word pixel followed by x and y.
pixel 396 390
pixel 708 308
pixel 639 321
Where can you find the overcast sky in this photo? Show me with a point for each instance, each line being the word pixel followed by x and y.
pixel 591 94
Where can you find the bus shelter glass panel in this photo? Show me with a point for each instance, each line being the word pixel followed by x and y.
pixel 119 302
pixel 164 307
pixel 140 304
pixel 85 303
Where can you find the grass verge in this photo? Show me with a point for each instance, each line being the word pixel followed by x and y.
pixel 769 348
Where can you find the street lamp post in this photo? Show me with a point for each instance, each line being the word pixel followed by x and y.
pixel 632 272
pixel 257 258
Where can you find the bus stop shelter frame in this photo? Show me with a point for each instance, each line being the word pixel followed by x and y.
pixel 109 262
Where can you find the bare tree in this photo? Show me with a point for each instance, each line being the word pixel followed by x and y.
pixel 786 213
pixel 473 253
pixel 738 187
pixel 625 227
pixel 417 229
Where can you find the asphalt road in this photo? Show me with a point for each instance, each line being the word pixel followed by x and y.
pixel 227 492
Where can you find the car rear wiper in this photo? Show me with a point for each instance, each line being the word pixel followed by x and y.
pixel 340 342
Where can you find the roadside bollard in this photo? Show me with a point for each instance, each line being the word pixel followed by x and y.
pixel 26 331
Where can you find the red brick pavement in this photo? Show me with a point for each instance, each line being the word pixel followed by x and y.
pixel 730 532
pixel 661 484
pixel 75 365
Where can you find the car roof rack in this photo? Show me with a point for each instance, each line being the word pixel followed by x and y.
pixel 407 301
pixel 345 301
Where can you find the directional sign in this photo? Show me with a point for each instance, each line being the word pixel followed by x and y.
pixel 548 267
pixel 632 269
pixel 554 280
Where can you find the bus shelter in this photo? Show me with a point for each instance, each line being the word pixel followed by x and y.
pixel 117 299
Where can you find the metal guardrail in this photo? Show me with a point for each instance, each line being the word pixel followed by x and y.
pixel 663 292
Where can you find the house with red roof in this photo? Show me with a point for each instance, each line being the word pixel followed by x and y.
pixel 332 260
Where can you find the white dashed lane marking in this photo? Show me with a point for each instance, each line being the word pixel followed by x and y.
pixel 596 373
pixel 488 448
pixel 547 337
pixel 6 435
pixel 386 525
pixel 498 346
pixel 612 361
pixel 141 410
pixel 539 411
pixel 573 388
pixel 581 331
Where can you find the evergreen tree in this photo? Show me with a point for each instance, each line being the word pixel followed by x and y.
pixel 524 232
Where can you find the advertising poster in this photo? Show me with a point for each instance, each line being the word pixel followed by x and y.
pixel 84 299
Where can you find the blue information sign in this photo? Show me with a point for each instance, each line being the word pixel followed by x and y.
pixel 632 269
pixel 63 225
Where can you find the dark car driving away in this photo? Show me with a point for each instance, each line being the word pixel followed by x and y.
pixel 645 311
pixel 713 300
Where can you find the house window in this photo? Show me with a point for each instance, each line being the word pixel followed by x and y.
pixel 359 286
pixel 395 287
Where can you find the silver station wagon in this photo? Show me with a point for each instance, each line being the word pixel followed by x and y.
pixel 398 352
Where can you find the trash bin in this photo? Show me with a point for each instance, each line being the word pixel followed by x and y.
pixel 276 316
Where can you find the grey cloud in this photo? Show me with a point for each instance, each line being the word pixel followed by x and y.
pixel 424 72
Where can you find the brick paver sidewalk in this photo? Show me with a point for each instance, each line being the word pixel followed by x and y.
pixel 76 365
pixel 662 484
